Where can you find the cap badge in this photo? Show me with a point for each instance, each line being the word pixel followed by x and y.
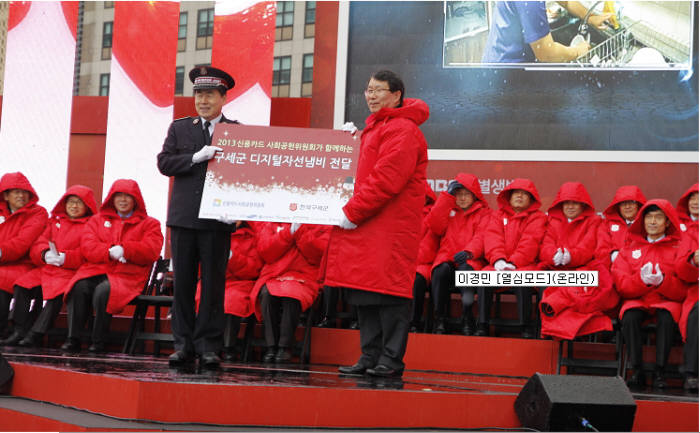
pixel 202 71
pixel 195 121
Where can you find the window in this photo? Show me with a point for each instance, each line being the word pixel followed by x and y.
pixel 285 21
pixel 205 28
pixel 182 32
pixel 310 20
pixel 307 74
pixel 107 40
pixel 281 72
pixel 109 5
pixel 104 84
pixel 179 80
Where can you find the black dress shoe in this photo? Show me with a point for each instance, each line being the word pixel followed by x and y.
pixel 209 360
pixel 98 347
pixel 440 326
pixel 354 325
pixel 467 329
pixel 659 380
pixel 32 339
pixel 482 330
pixel 637 380
pixel 382 370
pixel 353 369
pixel 72 345
pixel 691 383
pixel 283 355
pixel 326 323
pixel 269 355
pixel 12 340
pixel 230 354
pixel 180 357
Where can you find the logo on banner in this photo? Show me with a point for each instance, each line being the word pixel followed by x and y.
pixel 614 228
pixel 217 202
pixel 292 207
pixel 636 254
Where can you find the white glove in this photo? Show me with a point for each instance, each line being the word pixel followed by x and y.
pixel 509 267
pixel 613 256
pixel 50 257
pixel 349 127
pixel 558 257
pixel 55 259
pixel 116 252
pixel 566 257
pixel 499 265
pixel 205 154
pixel 656 278
pixel 645 272
pixel 294 227
pixel 226 219
pixel 345 223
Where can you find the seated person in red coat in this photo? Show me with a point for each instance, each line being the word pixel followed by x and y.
pixel 120 244
pixel 569 244
pixel 49 280
pixel 646 280
pixel 242 270
pixel 288 282
pixel 459 218
pixel 512 242
pixel 618 216
pixel 426 255
pixel 687 270
pixel 21 222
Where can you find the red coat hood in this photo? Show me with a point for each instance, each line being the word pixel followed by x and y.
pixel 574 191
pixel 519 183
pixel 682 206
pixel 18 181
pixel 412 109
pixel 85 194
pixel 127 186
pixel 637 230
pixel 430 197
pixel 624 193
pixel 471 182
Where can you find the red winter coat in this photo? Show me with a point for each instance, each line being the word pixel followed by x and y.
pixel 613 229
pixel 515 237
pixel 65 233
pixel 460 230
pixel 291 262
pixel 380 255
pixel 242 271
pixel 688 273
pixel 139 235
pixel 577 236
pixel 626 268
pixel 427 249
pixel 686 223
pixel 18 231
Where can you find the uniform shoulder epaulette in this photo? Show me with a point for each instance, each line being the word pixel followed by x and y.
pixel 182 118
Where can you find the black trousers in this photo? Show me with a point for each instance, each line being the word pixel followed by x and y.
pixel 632 333
pixel 48 316
pixel 233 325
pixel 523 295
pixel 280 319
pixel 690 350
pixel 384 333
pixel 331 295
pixel 192 249
pixel 442 284
pixel 23 316
pixel 86 293
pixel 420 287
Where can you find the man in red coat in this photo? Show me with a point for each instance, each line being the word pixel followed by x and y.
pixel 512 241
pixel 56 265
pixel 374 251
pixel 618 216
pixel 687 209
pixel 646 280
pixel 119 244
pixel 21 222
pixel 459 218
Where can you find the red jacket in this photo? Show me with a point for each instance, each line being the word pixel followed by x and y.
pixel 291 262
pixel 626 268
pixel 65 233
pixel 18 231
pixel 242 271
pixel 686 223
pixel 515 237
pixel 139 235
pixel 380 255
pixel 613 229
pixel 687 271
pixel 460 230
pixel 577 236
pixel 427 249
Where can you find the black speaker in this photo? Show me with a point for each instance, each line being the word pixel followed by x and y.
pixel 564 403
pixel 6 375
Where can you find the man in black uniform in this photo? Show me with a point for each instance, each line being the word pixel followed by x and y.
pixel 197 242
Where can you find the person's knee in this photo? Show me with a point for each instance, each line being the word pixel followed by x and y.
pixel 632 317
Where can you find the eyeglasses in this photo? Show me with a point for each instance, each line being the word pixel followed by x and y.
pixel 371 92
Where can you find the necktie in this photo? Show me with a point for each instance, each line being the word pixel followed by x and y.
pixel 207 136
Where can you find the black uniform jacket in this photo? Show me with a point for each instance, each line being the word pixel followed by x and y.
pixel 185 137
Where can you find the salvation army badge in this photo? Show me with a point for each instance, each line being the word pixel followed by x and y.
pixel 452 213
pixel 58 225
pixel 614 228
pixel 505 221
pixel 2 219
pixel 108 224
pixel 636 254
pixel 683 227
